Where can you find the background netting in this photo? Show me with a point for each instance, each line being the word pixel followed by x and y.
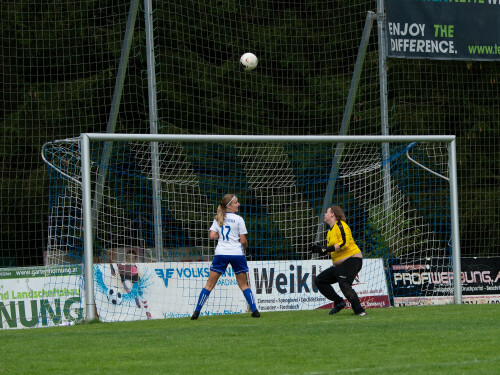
pixel 60 63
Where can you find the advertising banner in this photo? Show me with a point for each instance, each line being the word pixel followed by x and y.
pixel 430 281
pixel 171 290
pixel 289 285
pixel 53 296
pixel 162 290
pixel 443 29
pixel 40 296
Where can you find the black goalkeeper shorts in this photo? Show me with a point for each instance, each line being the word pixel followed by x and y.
pixel 347 271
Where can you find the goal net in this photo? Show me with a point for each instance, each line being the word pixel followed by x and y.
pixel 152 204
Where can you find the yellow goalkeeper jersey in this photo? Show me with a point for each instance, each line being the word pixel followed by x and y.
pixel 341 234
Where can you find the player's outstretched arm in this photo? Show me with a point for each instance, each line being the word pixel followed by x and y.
pixel 322 250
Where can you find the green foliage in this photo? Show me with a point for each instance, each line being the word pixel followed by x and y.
pixel 60 59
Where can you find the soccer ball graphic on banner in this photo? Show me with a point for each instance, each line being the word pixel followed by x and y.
pixel 114 296
pixel 248 61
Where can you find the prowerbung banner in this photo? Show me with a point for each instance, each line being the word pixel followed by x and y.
pixel 430 281
pixel 171 290
pixel 40 296
pixel 443 29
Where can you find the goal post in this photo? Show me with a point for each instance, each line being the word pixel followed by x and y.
pixel 282 182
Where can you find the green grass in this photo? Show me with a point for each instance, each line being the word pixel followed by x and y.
pixel 454 339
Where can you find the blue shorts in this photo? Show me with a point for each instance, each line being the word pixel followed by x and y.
pixel 238 262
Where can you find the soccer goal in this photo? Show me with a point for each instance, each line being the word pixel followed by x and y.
pixel 137 221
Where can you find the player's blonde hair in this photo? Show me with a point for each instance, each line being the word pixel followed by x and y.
pixel 339 213
pixel 221 210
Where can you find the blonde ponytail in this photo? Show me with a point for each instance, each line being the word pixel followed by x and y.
pixel 221 215
pixel 221 210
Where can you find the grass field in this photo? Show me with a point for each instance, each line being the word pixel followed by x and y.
pixel 454 339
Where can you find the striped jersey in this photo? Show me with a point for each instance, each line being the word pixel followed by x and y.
pixel 341 234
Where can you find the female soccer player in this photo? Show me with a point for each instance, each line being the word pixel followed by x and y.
pixel 230 231
pixel 347 262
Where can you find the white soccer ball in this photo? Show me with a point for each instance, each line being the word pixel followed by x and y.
pixel 248 61
pixel 114 296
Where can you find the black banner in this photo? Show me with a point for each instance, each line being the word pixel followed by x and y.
pixel 420 278
pixel 443 29
pixel 480 276
pixel 434 277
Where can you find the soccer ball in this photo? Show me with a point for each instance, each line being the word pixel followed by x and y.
pixel 114 296
pixel 248 61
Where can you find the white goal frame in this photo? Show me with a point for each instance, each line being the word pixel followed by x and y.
pixel 86 138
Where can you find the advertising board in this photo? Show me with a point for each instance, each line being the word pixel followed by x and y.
pixel 430 281
pixel 443 29
pixel 171 290
pixel 40 296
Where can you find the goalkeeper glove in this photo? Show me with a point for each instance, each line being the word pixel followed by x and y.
pixel 317 249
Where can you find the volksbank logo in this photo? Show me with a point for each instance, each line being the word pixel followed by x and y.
pixel 187 273
pixel 165 276
pixel 293 282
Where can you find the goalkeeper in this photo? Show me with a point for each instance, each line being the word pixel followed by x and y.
pixel 347 262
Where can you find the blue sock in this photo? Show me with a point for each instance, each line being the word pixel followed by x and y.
pixel 250 299
pixel 203 298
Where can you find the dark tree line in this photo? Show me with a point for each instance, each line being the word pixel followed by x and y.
pixel 59 62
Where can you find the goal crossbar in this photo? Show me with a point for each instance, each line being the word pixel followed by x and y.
pixel 267 138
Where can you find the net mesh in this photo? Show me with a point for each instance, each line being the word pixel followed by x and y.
pixel 281 188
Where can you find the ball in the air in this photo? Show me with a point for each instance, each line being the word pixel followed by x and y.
pixel 248 61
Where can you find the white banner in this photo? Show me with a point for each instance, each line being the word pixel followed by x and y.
pixel 289 285
pixel 40 296
pixel 171 289
pixel 52 296
pixel 163 290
